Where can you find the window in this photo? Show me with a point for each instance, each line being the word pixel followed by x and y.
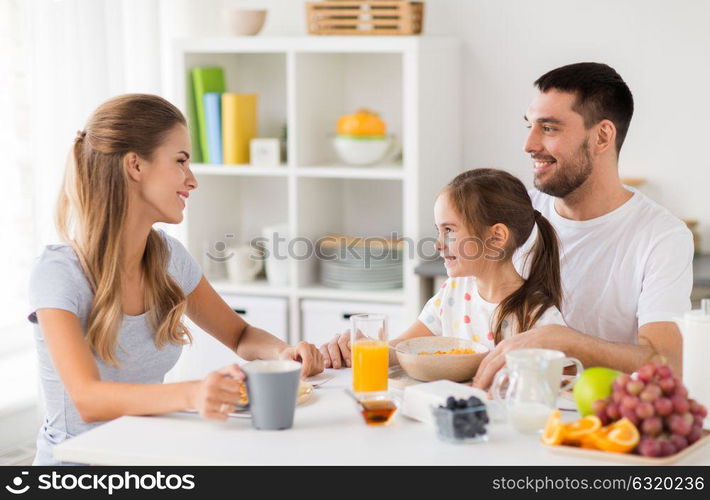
pixel 17 247
pixel 17 250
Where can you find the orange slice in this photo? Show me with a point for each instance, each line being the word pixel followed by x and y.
pixel 554 431
pixel 575 432
pixel 591 441
pixel 621 437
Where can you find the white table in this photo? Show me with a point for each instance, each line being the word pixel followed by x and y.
pixel 328 430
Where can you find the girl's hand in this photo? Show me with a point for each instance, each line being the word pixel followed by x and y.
pixel 306 354
pixel 219 393
pixel 336 353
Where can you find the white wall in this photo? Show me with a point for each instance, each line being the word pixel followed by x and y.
pixel 662 52
pixel 661 49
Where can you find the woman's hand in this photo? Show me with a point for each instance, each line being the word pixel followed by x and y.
pixel 219 393
pixel 306 354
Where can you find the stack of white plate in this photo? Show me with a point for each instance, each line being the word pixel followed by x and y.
pixel 361 268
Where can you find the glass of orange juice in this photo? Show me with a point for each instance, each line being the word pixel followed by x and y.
pixel 370 353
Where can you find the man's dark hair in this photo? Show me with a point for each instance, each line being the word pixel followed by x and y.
pixel 600 92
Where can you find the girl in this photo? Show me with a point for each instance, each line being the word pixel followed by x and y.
pixel 482 217
pixel 109 302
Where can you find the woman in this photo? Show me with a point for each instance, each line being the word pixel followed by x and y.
pixel 109 302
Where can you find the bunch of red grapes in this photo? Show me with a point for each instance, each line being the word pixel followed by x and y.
pixel 658 405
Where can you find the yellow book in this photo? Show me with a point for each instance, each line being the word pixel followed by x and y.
pixel 239 126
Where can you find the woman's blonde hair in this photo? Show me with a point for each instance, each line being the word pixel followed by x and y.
pixel 91 216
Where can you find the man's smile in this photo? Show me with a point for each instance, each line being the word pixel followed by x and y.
pixel 541 165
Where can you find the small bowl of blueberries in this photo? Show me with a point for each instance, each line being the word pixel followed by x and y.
pixel 461 420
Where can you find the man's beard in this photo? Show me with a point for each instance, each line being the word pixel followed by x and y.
pixel 568 176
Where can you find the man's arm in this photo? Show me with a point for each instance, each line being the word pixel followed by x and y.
pixel 665 294
pixel 660 339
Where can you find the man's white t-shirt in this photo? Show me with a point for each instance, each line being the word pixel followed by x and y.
pixel 622 270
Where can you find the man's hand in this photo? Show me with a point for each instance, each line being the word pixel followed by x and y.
pixel 308 355
pixel 659 339
pixel 545 337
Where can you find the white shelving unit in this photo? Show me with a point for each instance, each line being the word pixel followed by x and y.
pixel 307 83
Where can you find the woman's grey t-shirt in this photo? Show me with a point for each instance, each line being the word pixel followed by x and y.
pixel 59 282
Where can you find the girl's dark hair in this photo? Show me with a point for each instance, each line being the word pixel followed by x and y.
pixel 485 197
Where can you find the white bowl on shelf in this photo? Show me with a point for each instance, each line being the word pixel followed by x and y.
pixel 244 21
pixel 363 151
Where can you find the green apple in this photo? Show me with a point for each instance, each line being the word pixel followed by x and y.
pixel 595 383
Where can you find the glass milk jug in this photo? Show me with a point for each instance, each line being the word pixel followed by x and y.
pixel 528 398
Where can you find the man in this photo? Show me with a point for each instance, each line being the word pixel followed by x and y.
pixel 626 262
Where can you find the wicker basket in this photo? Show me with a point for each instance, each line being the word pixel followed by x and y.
pixel 361 17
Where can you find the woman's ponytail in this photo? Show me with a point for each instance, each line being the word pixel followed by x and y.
pixel 92 212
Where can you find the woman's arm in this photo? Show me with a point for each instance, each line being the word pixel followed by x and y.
pixel 336 353
pixel 98 400
pixel 211 313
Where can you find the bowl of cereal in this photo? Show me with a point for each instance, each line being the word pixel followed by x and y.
pixel 433 358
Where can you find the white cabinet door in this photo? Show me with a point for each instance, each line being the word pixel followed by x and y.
pixel 322 319
pixel 207 354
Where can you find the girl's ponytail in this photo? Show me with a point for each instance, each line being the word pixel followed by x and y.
pixel 545 267
pixel 543 287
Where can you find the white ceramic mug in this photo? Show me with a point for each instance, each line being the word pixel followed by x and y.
pixel 558 362
pixel 244 263
pixel 276 245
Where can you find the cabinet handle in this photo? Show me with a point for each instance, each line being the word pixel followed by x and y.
pixel 347 315
pixel 241 312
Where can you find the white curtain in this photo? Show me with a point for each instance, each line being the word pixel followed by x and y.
pixel 82 53
pixel 16 209
pixel 59 59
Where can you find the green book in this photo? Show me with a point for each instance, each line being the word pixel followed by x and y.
pixel 192 124
pixel 205 79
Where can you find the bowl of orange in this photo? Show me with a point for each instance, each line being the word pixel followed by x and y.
pixel 362 139
pixel 362 150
